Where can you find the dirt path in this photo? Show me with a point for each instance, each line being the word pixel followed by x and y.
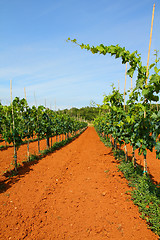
pixel 68 195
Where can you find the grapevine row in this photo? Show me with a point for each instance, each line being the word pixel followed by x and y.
pixel 138 124
pixel 31 121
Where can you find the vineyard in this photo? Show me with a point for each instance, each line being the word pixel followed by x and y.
pixel 135 123
pixel 60 189
pixel 80 132
pixel 62 178
pixel 77 192
pixel 20 124
pixel 73 193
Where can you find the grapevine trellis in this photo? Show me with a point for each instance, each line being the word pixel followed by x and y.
pixel 32 122
pixel 131 125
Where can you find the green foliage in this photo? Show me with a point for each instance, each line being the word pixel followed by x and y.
pixel 135 63
pixel 134 58
pixel 28 122
pixel 84 113
pixel 34 157
pixel 135 125
pixel 145 194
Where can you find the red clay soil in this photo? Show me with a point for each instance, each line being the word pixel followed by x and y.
pixel 6 155
pixel 68 195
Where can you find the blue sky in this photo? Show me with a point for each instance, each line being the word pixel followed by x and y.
pixel 35 55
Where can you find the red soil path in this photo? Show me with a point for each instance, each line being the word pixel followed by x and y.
pixel 67 195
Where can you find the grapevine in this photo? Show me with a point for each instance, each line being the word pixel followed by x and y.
pixel 28 122
pixel 131 126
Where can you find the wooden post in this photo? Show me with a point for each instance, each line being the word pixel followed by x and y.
pixel 145 164
pixel 14 142
pixel 28 153
pixel 125 86
pixel 133 157
pixel 35 99
pixel 131 84
pixel 145 160
pixel 25 94
pixel 38 123
pixel 150 42
pixel 126 153
pixel 39 150
pixel 55 105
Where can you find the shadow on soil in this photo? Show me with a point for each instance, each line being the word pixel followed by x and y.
pixel 3 148
pixel 11 177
